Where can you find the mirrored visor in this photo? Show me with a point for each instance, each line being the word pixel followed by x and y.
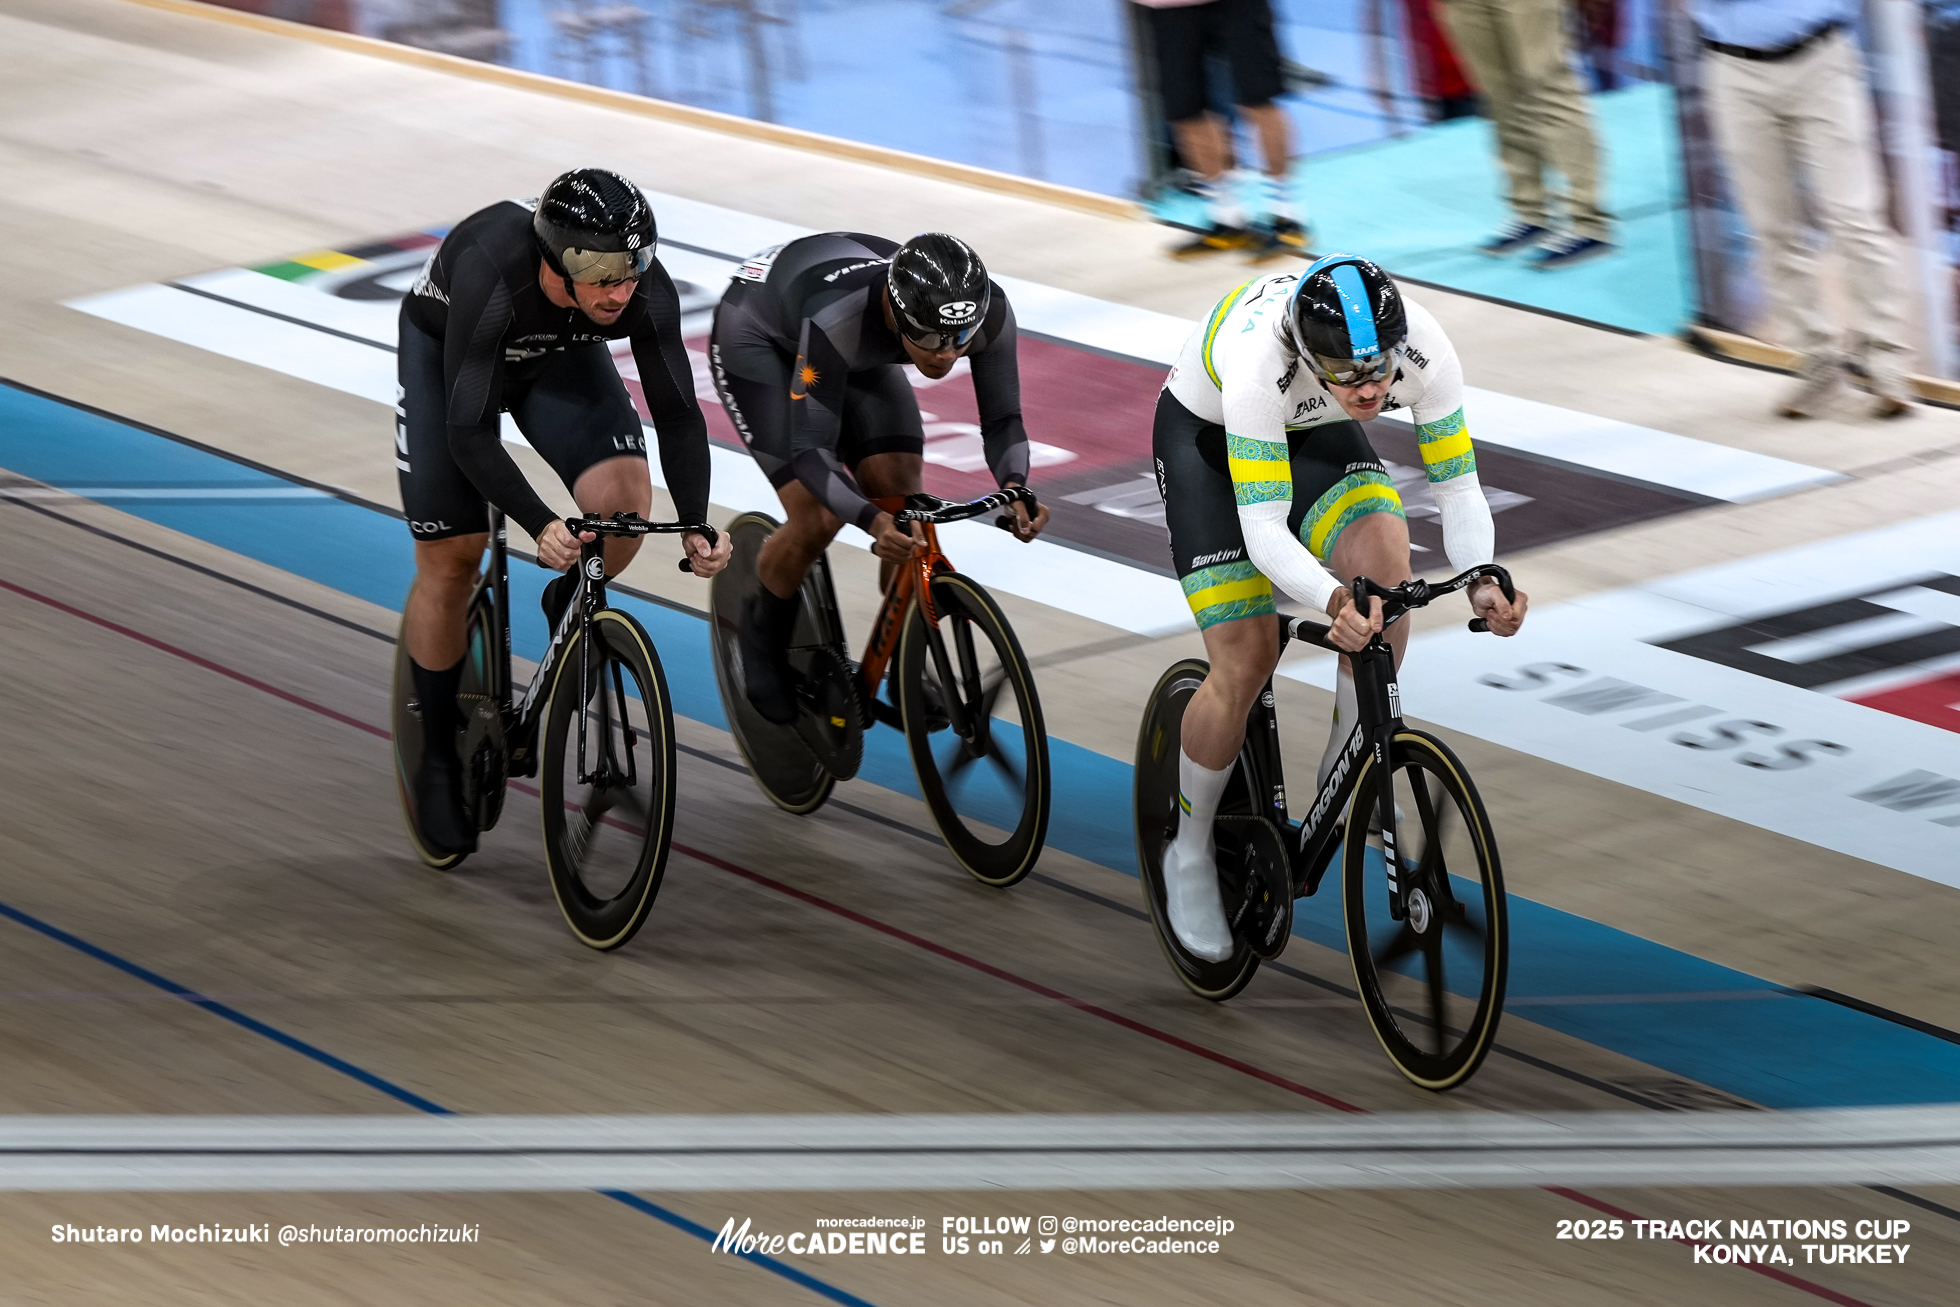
pixel 606 267
pixel 934 338
pixel 1352 372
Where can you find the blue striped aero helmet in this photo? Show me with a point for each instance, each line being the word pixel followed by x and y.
pixel 1345 319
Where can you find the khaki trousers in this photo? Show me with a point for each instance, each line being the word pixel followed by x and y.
pixel 1516 53
pixel 1805 124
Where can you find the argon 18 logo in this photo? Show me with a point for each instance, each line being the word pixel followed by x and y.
pixel 957 311
pixel 595 568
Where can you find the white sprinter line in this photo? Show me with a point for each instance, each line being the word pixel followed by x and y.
pixel 1586 685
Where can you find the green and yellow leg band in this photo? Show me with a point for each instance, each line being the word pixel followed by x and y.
pixel 1353 496
pixel 1227 592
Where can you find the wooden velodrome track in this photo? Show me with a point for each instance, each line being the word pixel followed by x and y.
pixel 196 792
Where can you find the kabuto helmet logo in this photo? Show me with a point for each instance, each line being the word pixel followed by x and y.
pixel 957 311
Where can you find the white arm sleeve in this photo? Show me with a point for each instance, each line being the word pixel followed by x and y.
pixel 1286 562
pixel 1469 536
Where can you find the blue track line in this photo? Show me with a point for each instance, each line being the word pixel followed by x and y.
pixel 1739 1033
pixel 395 1091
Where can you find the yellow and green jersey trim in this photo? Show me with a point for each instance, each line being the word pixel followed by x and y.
pixel 1227 592
pixel 1212 324
pixel 1353 496
pixel 1261 470
pixel 1446 449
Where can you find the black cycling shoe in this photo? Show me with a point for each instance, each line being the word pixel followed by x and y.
pixel 557 594
pixel 439 814
pixel 767 678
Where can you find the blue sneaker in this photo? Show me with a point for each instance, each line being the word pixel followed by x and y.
pixel 1567 251
pixel 1513 236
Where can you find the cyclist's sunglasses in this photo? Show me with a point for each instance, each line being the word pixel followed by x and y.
pixel 1352 372
pixel 606 267
pixel 933 339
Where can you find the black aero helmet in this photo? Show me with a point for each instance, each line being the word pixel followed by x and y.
pixel 1345 319
pixel 939 290
pixel 594 226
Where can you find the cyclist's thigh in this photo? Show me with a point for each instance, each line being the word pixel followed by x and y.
pixel 881 416
pixel 1337 480
pixel 1207 548
pixel 576 413
pixel 438 500
pixel 752 380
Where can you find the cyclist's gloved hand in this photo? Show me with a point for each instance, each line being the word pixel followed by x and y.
pixel 703 561
pixel 1352 628
pixel 892 544
pixel 1026 528
pixel 558 548
pixel 1503 618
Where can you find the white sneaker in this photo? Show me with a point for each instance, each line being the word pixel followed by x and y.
pixel 1818 381
pixel 1197 909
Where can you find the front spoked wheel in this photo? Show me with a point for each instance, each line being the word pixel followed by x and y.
pixel 608 809
pixel 1432 983
pixel 974 725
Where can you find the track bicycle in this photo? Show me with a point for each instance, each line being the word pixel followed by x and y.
pixel 595 726
pixel 958 686
pixel 1422 900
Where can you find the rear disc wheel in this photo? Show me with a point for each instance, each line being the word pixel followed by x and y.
pixel 1157 815
pixel 779 761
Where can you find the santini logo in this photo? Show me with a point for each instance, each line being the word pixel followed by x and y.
pixel 1222 556
pixel 957 311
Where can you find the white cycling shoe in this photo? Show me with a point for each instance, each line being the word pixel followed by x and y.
pixel 1196 907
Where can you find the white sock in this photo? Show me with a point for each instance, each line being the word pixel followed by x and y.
pixel 1222 197
pixel 1279 198
pixel 1191 891
pixel 1347 711
pixel 1199 790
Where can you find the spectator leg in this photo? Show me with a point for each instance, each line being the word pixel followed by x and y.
pixel 1758 146
pixel 1553 113
pixel 1838 150
pixel 1475 29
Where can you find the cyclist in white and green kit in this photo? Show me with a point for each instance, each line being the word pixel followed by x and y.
pixel 1268 479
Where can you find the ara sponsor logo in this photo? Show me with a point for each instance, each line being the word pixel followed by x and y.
pixel 1311 404
pixel 957 310
pixel 1222 556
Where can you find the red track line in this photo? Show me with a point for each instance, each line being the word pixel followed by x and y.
pixel 190 657
pixel 1032 986
pixel 918 941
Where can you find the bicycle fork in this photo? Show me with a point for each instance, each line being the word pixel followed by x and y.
pixel 591 598
pixel 1380 702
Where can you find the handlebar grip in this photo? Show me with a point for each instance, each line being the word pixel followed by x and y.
pixel 687 565
pixel 1479 625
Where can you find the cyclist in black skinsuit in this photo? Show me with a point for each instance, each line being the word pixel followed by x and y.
pixel 808 341
pixel 511 314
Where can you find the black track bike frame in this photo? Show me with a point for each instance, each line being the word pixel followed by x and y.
pixel 1312 844
pixel 521 718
